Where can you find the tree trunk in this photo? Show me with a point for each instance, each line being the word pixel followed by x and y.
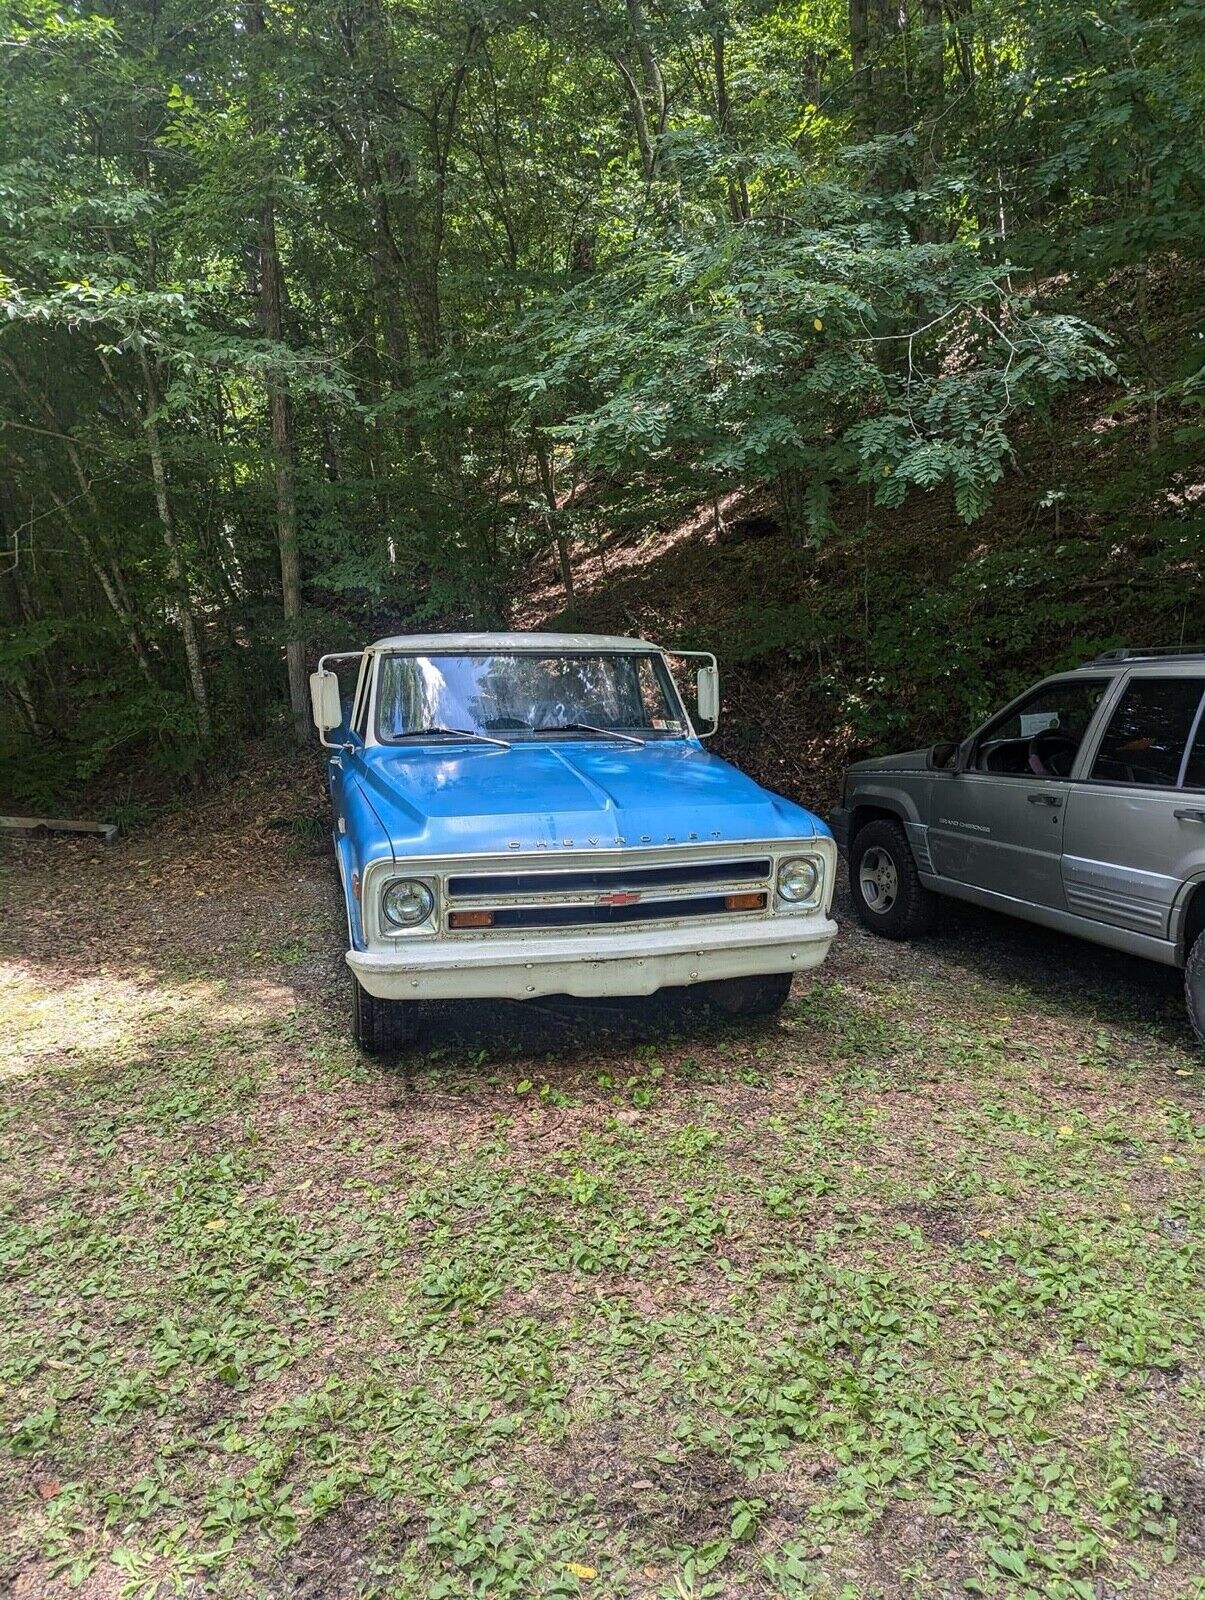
pixel 24 702
pixel 419 251
pixel 928 120
pixel 284 470
pixel 648 62
pixel 738 189
pixel 640 121
pixel 271 303
pixel 859 51
pixel 932 84
pixel 548 482
pixel 175 565
pixel 103 578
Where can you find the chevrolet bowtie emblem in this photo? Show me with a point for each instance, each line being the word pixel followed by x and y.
pixel 622 898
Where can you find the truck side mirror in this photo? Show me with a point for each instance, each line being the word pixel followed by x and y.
pixel 943 757
pixel 707 695
pixel 326 702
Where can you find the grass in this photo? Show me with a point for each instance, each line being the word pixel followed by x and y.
pixel 895 1296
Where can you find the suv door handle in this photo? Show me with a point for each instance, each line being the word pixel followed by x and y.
pixel 1045 800
pixel 1189 816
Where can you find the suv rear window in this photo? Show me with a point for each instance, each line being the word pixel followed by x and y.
pixel 1144 742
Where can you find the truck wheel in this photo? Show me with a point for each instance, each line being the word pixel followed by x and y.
pixel 1194 986
pixel 750 997
pixel 380 1026
pixel 887 892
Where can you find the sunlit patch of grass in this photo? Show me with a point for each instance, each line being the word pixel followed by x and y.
pixel 40 1019
pixel 45 1020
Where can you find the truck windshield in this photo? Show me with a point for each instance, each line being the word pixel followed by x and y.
pixel 527 696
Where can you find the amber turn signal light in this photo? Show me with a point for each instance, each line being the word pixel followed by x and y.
pixel 471 919
pixel 744 902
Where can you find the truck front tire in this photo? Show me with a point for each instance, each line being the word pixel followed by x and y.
pixel 759 996
pixel 380 1027
pixel 887 892
pixel 1194 986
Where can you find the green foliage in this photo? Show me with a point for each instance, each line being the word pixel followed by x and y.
pixel 544 275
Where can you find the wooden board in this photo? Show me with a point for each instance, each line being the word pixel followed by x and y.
pixel 106 830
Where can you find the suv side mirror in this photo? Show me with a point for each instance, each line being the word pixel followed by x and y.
pixel 707 695
pixel 325 702
pixel 943 757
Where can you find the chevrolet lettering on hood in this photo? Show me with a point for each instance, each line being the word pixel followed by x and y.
pixel 528 814
pixel 594 842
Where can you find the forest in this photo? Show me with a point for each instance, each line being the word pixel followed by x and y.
pixel 333 320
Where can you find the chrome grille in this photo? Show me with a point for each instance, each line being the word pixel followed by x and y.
pixel 607 896
pixel 555 880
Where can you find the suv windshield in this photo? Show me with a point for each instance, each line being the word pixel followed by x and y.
pixel 526 695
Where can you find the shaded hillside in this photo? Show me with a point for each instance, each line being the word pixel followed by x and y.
pixel 902 626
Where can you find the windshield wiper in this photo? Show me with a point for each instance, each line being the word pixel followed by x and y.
pixel 588 727
pixel 451 733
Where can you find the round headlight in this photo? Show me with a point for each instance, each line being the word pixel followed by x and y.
pixel 798 879
pixel 407 902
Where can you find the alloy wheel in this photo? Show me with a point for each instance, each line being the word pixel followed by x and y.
pixel 878 880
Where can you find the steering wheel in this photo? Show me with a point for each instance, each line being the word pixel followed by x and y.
pixel 1051 753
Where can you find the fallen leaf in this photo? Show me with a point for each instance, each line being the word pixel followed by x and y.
pixel 49 1489
pixel 215 1223
pixel 1066 1131
pixel 578 1571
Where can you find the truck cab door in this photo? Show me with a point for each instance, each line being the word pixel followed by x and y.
pixel 350 741
pixel 997 824
pixel 1135 829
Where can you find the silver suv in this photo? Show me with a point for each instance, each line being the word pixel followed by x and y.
pixel 1080 806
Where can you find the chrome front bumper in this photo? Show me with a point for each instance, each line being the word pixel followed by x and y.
pixel 609 964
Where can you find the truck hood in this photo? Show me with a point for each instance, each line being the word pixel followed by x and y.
pixel 907 761
pixel 449 799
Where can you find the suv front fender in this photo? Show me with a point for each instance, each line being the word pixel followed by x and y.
pixel 880 791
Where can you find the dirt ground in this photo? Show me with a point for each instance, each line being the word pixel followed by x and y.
pixel 894 1295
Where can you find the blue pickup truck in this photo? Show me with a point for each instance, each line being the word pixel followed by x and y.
pixel 530 814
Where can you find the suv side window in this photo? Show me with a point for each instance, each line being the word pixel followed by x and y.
pixel 1041 737
pixel 1144 742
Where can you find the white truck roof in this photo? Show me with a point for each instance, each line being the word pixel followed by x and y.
pixel 506 643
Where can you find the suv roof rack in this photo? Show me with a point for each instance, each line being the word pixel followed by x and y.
pixel 1110 657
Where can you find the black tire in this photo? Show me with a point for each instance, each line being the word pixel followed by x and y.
pixel 759 996
pixel 1194 987
pixel 380 1027
pixel 881 867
